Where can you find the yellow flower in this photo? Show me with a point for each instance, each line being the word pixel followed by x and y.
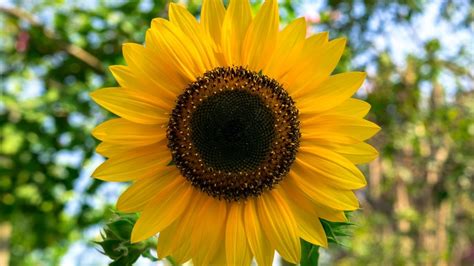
pixel 235 135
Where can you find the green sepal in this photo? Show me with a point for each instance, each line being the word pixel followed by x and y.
pixel 336 230
pixel 309 254
pixel 127 260
pixel 122 229
pixel 116 241
pixel 112 248
pixel 147 254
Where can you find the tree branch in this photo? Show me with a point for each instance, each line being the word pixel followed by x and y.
pixel 69 48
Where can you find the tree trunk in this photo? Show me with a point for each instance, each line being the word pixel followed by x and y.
pixel 5 234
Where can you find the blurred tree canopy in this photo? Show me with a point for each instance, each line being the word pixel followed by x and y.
pixel 418 208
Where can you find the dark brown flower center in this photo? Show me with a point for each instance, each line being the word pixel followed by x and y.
pixel 234 133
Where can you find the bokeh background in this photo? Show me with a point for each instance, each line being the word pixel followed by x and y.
pixel 418 207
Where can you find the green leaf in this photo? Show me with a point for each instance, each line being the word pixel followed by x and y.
pixel 309 254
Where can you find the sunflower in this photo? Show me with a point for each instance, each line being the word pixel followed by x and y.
pixel 236 136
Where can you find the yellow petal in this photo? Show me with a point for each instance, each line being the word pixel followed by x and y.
pixel 220 258
pixel 330 214
pixel 187 226
pixel 329 59
pixel 126 105
pixel 331 93
pixel 178 244
pixel 320 70
pixel 166 240
pixel 236 247
pixel 351 107
pixel 309 227
pixel 135 198
pixel 279 224
pixel 143 88
pixel 320 165
pixel 261 37
pixel 338 125
pixel 299 199
pixel 261 248
pixel 210 224
pixel 326 139
pixel 356 153
pixel 190 27
pixel 310 230
pixel 182 254
pixel 176 49
pixel 112 149
pixel 306 58
pixel 323 194
pixel 124 132
pixel 236 22
pixel 169 203
pixel 139 163
pixel 212 18
pixel 162 79
pixel 289 45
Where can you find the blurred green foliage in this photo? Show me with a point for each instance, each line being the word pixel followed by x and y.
pixel 64 58
pixel 417 209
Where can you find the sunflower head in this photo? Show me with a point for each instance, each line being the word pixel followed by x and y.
pixel 234 133
pixel 236 136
